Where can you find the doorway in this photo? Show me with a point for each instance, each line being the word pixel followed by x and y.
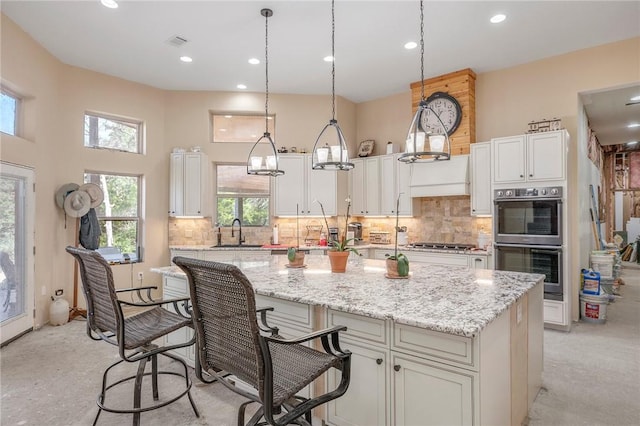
pixel 17 207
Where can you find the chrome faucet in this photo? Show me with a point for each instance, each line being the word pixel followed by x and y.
pixel 240 238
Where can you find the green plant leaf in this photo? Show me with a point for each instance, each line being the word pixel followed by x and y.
pixel 291 254
pixel 403 265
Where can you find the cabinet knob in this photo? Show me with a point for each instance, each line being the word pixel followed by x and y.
pixel 367 211
pixel 477 259
pixel 530 175
pixel 379 361
pixel 396 367
pixel 522 176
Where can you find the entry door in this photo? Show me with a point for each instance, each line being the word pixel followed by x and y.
pixel 17 207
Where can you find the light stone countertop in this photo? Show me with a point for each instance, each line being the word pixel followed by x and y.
pixel 454 300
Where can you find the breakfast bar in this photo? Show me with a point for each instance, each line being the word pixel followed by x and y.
pixel 448 345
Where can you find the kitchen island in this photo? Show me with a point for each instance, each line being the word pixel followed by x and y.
pixel 448 345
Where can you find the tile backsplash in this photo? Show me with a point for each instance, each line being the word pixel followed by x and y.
pixel 440 220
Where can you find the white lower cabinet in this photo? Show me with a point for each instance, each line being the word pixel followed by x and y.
pixel 428 393
pixel 475 261
pixel 367 399
pixel 175 288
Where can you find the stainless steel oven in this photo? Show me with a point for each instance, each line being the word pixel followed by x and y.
pixel 538 259
pixel 528 216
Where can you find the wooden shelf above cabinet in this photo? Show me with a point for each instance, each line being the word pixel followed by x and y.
pixel 462 86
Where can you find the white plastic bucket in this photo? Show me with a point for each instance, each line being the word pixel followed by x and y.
pixel 602 263
pixel 593 308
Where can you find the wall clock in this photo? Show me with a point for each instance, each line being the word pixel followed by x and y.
pixel 449 110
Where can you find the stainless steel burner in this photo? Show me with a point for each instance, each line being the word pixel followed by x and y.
pixel 452 247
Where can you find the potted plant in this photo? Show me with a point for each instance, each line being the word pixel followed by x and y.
pixel 398 264
pixel 296 257
pixel 339 250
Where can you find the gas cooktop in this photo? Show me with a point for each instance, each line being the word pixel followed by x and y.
pixel 446 247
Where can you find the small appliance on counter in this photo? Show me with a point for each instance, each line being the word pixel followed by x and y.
pixel 333 234
pixel 356 228
pixel 403 237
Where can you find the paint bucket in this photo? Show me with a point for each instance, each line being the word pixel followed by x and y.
pixel 593 308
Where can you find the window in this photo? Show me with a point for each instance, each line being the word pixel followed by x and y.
pixel 119 214
pixel 241 195
pixel 112 133
pixel 9 111
pixel 240 127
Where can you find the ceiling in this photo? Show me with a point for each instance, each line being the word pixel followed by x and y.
pixel 131 41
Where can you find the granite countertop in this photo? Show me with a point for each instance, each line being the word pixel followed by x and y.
pixel 453 300
pixel 359 247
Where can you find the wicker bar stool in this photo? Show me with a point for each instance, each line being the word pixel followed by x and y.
pixel 133 334
pixel 230 343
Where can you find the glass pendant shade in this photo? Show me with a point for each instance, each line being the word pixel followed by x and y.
pixel 427 139
pixel 263 157
pixel 424 145
pixel 330 150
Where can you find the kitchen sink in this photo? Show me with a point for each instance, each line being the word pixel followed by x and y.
pixel 238 246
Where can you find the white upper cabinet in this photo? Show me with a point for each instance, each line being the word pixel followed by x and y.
pixel 303 187
pixel 481 179
pixel 188 183
pixel 364 186
pixel 395 178
pixel 530 158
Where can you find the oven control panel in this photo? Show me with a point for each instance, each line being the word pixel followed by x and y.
pixel 545 192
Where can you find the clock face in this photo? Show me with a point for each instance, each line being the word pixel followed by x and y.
pixel 447 108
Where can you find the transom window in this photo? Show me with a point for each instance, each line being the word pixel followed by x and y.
pixel 242 196
pixel 119 215
pixel 9 112
pixel 240 127
pixel 108 132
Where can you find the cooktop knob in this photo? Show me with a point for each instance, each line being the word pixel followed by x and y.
pixel 500 193
pixel 554 191
pixel 508 193
pixel 543 191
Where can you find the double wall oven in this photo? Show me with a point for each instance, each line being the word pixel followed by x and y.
pixel 528 234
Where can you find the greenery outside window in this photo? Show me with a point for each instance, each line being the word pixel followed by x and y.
pixel 119 215
pixel 237 128
pixel 108 132
pixel 9 112
pixel 243 196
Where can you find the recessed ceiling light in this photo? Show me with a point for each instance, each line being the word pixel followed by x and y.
pixel 496 19
pixel 111 4
pixel 633 125
pixel 186 59
pixel 328 58
pixel 410 45
pixel 632 143
pixel 635 99
pixel 227 116
pixel 254 61
pixel 241 86
pixel 223 130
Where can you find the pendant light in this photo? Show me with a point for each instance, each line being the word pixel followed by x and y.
pixel 424 143
pixel 263 157
pixel 330 150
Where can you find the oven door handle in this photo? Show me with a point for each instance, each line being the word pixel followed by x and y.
pixel 530 246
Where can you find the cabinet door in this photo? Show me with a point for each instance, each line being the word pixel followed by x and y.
pixel 175 288
pixel 321 186
pixel 193 185
pixel 372 186
pixel 388 185
pixel 356 187
pixel 508 159
pixel 176 183
pixel 481 179
pixel 439 258
pixel 403 181
pixel 428 393
pixel 366 402
pixel 289 188
pixel 545 156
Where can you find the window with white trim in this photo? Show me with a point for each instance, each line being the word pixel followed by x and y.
pixel 119 215
pixel 110 132
pixel 9 111
pixel 240 195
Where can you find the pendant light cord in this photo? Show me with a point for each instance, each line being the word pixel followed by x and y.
pixel 422 47
pixel 333 62
pixel 266 71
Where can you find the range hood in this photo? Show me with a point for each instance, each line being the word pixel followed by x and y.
pixel 440 178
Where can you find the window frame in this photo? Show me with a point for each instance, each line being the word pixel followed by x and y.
pixel 139 124
pixel 239 198
pixel 17 116
pixel 259 130
pixel 138 219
